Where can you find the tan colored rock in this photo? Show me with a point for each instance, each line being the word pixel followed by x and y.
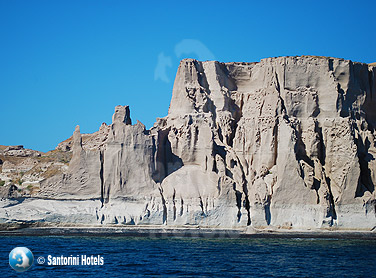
pixel 286 142
pixel 91 141
pixel 128 159
pixel 82 179
pixel 20 151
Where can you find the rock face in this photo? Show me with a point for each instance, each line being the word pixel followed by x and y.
pixel 288 142
pixel 20 151
pixel 89 141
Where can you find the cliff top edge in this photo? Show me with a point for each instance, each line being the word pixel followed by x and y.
pixel 308 57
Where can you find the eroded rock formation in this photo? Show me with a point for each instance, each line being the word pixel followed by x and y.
pixel 287 142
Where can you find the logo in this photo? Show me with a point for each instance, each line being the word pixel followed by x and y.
pixel 183 48
pixel 21 259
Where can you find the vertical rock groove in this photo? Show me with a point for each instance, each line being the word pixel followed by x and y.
pixel 285 142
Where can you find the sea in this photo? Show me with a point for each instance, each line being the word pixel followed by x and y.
pixel 193 257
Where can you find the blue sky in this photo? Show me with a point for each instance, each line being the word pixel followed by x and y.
pixel 64 63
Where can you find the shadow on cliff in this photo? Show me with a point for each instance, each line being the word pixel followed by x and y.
pixel 166 162
pixel 365 182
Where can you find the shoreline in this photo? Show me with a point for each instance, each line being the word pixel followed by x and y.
pixel 190 232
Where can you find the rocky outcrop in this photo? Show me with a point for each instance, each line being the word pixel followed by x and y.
pixel 81 178
pixel 20 151
pixel 21 170
pixel 288 142
pixel 92 141
pixel 119 174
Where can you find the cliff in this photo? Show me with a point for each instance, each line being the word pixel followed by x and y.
pixel 287 142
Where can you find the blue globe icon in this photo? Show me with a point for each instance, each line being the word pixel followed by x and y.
pixel 21 259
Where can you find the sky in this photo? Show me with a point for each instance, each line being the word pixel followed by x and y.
pixel 68 63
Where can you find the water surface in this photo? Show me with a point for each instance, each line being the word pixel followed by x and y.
pixel 198 257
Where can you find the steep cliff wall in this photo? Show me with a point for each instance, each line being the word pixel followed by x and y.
pixel 286 142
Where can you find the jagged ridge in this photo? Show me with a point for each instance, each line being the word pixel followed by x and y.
pixel 286 142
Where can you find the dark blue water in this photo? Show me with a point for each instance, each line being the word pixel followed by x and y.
pixel 197 257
